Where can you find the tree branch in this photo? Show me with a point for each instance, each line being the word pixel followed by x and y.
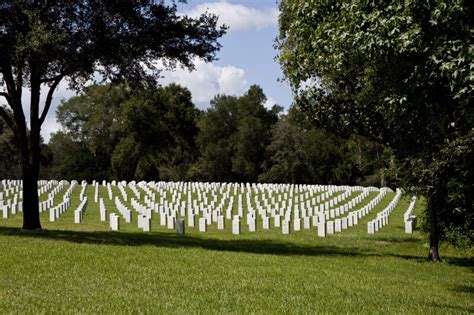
pixel 49 98
pixel 52 79
pixel 8 119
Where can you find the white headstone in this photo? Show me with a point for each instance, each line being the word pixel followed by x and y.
pixel 337 225
pixel 322 229
pixel 330 227
pixel 236 225
pixel 285 227
pixel 202 225
pixel 220 222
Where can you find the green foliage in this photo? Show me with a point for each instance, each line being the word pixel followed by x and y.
pixel 45 42
pixel 302 153
pixel 452 175
pixel 397 73
pixel 9 164
pixel 233 136
pixel 127 134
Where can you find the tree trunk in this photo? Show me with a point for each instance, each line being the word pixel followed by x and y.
pixel 436 202
pixel 31 218
pixel 433 254
pixel 30 168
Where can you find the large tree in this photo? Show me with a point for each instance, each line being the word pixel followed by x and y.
pixel 400 73
pixel 43 43
pixel 113 132
pixel 233 135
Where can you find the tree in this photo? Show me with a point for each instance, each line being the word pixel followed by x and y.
pixel 9 167
pixel 398 73
pixel 93 125
pixel 233 136
pixel 300 152
pixel 73 160
pixel 160 127
pixel 43 43
pixel 114 132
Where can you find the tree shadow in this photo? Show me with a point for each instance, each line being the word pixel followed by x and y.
pixel 398 239
pixel 454 308
pixel 168 240
pixel 464 289
pixel 461 261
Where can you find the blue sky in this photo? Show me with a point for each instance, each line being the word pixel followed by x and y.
pixel 246 58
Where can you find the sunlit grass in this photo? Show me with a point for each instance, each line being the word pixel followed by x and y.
pixel 71 268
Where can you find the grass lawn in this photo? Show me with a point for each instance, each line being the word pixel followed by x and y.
pixel 85 268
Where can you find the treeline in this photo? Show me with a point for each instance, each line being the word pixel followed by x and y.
pixel 116 132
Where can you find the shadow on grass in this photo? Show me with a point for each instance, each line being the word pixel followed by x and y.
pixel 464 289
pixel 462 262
pixel 398 239
pixel 160 239
pixel 170 240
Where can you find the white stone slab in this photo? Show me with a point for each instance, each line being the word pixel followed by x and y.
pixel 322 229
pixel 330 227
pixel 202 225
pixel 236 226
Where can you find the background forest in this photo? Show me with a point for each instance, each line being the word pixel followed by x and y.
pixel 116 132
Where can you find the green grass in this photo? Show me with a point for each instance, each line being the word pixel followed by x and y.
pixel 85 268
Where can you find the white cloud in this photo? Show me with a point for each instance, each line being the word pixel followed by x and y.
pixel 208 80
pixel 50 125
pixel 238 17
pixel 205 82
pixel 269 103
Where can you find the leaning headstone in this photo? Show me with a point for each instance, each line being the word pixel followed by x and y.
pixel 180 226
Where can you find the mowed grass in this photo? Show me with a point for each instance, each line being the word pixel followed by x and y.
pixel 85 268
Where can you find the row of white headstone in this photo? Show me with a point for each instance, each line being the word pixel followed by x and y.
pixel 289 207
pixel 169 216
pixel 408 217
pixel 381 220
pixel 340 224
pixel 12 191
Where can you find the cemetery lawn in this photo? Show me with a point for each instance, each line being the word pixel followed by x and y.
pixel 85 268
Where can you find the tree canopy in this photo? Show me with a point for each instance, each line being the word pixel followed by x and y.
pixel 234 134
pixel 45 42
pixel 120 133
pixel 400 73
